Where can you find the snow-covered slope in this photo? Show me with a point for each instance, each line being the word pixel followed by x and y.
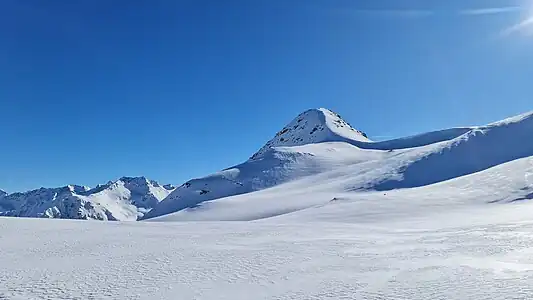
pixel 481 252
pixel 317 157
pixel 127 198
pixel 317 140
pixel 441 215
pixel 275 167
pixel 476 150
pixel 359 170
pixel 329 197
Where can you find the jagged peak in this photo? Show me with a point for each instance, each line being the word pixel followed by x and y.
pixel 132 178
pixel 77 188
pixel 314 126
pixel 128 182
pixel 139 180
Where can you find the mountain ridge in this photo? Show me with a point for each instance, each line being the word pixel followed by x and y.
pixel 343 164
pixel 126 198
pixel 313 149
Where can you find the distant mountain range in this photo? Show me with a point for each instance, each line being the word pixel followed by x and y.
pixel 127 198
pixel 316 158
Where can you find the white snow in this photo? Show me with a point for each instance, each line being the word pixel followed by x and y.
pixel 316 141
pixel 482 252
pixel 313 126
pixel 315 173
pixel 125 199
pixel 275 167
pixel 441 215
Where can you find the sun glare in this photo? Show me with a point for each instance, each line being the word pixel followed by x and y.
pixel 525 26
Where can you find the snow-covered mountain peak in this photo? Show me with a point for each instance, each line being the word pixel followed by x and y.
pixel 140 181
pixel 314 126
pixel 137 180
pixel 3 193
pixel 128 182
pixel 77 189
pixel 127 198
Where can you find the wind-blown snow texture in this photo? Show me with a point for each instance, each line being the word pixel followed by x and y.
pixel 478 252
pixel 441 215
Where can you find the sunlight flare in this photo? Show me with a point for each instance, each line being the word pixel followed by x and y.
pixel 525 26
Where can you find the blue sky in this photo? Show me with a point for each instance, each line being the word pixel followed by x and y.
pixel 94 90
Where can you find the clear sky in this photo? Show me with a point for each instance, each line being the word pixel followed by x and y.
pixel 94 90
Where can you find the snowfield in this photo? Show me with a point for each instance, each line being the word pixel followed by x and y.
pixel 482 253
pixel 319 212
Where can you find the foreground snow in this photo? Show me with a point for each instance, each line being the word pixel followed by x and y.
pixel 482 253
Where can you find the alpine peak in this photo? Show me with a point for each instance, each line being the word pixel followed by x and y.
pixel 314 126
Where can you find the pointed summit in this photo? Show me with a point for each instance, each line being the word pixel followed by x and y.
pixel 78 189
pixel 314 126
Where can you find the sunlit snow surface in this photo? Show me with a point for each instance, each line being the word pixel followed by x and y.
pixel 442 215
pixel 481 253
pixel 484 164
pixel 467 238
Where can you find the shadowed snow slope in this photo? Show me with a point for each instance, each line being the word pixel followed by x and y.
pixel 125 199
pixel 476 150
pixel 287 179
pixel 275 167
pixel 327 197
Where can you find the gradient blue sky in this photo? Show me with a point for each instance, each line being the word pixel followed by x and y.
pixel 94 90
